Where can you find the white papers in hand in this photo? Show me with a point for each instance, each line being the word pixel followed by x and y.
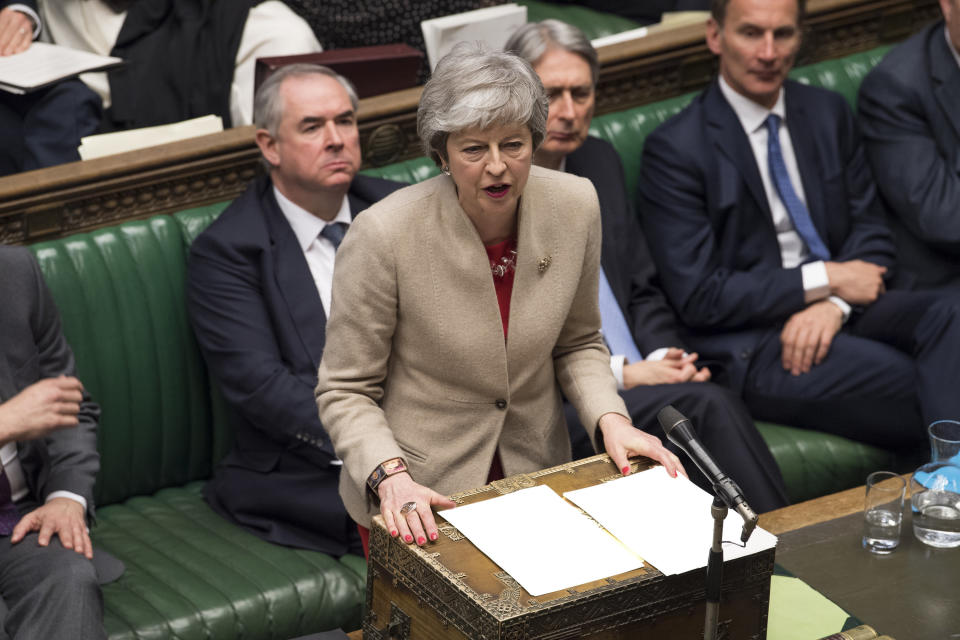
pixel 543 542
pixel 666 520
pixel 44 63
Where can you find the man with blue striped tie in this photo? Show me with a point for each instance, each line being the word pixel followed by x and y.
pixel 640 329
pixel 770 240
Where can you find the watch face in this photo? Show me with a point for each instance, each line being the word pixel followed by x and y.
pixel 394 466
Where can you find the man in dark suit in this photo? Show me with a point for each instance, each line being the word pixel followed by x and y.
pixel 657 371
pixel 259 291
pixel 48 450
pixel 44 127
pixel 770 241
pixel 910 114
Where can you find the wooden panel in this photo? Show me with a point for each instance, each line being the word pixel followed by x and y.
pixel 83 196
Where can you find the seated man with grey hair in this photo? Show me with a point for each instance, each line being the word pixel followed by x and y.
pixel 258 286
pixel 648 355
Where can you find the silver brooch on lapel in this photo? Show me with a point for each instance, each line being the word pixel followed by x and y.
pixel 543 263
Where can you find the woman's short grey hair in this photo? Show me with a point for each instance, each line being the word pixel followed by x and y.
pixel 268 103
pixel 533 39
pixel 471 88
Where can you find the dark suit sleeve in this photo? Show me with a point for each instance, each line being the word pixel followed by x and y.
pixel 234 327
pixel 868 237
pixel 921 187
pixel 674 201
pixel 73 458
pixel 653 322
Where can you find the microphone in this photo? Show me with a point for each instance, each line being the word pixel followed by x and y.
pixel 680 432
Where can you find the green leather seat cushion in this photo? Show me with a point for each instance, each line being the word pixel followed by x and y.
pixel 190 574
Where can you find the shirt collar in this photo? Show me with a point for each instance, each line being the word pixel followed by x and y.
pixel 953 50
pixel 752 116
pixel 305 225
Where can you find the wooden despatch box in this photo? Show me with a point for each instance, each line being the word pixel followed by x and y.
pixel 449 589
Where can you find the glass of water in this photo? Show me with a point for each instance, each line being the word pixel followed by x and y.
pixel 883 511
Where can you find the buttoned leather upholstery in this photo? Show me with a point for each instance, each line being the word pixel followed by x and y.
pixel 189 573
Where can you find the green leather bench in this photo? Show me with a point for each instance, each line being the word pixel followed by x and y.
pixel 190 574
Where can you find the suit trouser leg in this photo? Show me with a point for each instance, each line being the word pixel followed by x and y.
pixel 864 390
pixel 725 428
pixel 926 326
pixel 50 592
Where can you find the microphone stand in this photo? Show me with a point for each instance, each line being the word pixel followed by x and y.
pixel 714 570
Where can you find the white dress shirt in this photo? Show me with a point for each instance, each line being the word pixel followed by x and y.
pixel 793 250
pixel 953 50
pixel 318 251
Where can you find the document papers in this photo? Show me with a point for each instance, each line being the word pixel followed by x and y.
pixel 44 64
pixel 105 144
pixel 542 541
pixel 492 25
pixel 547 544
pixel 666 520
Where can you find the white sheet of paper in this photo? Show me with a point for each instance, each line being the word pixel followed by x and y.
pixel 492 25
pixel 542 541
pixel 665 520
pixel 105 144
pixel 44 63
pixel 623 36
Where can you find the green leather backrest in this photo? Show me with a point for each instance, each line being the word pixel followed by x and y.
pixel 593 23
pixel 120 292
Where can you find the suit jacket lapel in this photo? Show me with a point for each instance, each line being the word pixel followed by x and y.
pixel 731 140
pixel 946 78
pixel 294 280
pixel 803 137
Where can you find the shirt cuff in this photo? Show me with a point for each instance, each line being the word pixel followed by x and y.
pixel 70 495
pixel 30 13
pixel 616 365
pixel 816 284
pixel 845 308
pixel 658 354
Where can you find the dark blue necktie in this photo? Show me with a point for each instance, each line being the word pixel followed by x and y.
pixel 795 207
pixel 334 232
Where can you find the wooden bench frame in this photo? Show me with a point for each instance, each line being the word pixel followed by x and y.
pixel 83 196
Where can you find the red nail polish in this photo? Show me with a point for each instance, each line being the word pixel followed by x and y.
pixel 433 536
pixel 408 538
pixel 393 532
pixel 625 470
pixel 421 540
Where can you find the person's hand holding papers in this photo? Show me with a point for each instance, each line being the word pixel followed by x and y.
pixel 16 31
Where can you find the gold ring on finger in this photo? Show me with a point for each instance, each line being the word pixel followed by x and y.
pixel 408 507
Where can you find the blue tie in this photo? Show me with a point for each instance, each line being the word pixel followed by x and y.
pixel 795 207
pixel 334 232
pixel 615 329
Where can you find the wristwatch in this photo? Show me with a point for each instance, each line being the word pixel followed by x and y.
pixel 384 470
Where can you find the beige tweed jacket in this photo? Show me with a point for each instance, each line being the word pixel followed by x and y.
pixel 415 364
